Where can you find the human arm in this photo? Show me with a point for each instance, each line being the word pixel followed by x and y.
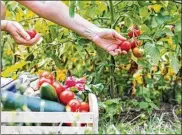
pixel 3 11
pixel 58 12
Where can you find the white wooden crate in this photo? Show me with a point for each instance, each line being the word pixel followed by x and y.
pixel 53 117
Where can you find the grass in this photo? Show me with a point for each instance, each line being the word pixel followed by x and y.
pixel 154 125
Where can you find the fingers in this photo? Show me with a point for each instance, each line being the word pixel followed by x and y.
pixel 22 32
pixel 33 40
pixel 113 53
pixel 30 42
pixel 117 35
pixel 124 52
pixel 117 52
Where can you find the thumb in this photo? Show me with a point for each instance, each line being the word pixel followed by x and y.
pixel 23 33
pixel 118 36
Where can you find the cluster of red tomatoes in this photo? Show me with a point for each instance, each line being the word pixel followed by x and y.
pixel 133 43
pixel 66 96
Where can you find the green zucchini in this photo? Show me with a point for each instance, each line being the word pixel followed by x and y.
pixel 12 100
pixel 48 92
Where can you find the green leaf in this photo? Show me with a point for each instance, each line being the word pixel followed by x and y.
pixel 102 54
pixel 144 12
pixel 160 19
pixel 153 51
pixel 72 7
pixel 127 21
pixel 143 105
pixel 112 101
pixel 165 3
pixel 145 29
pixel 154 23
pixel 165 31
pixel 175 19
pixel 178 26
pixel 156 7
pixel 154 106
pixel 168 32
pixel 174 62
pixel 145 37
pixel 143 63
pixel 148 100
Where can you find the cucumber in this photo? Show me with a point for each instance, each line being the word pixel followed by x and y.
pixel 48 92
pixel 12 100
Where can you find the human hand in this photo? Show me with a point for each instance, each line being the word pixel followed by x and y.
pixel 108 39
pixel 19 34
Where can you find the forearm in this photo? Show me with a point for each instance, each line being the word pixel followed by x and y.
pixel 3 10
pixel 3 25
pixel 58 13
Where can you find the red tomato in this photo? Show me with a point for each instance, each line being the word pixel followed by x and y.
pixel 84 107
pixel 70 81
pixel 68 124
pixel 58 87
pixel 47 75
pixel 134 33
pixel 126 46
pixel 81 80
pixel 135 43
pixel 66 96
pixel 31 33
pixel 73 106
pixel 42 80
pixel 83 124
pixel 80 87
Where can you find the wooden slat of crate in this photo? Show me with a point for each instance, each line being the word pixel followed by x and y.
pixel 44 130
pixel 46 117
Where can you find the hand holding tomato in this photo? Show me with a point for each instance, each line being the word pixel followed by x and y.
pixel 133 44
pixel 18 33
pixel 108 39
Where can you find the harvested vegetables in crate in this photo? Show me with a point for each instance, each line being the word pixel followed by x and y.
pixel 46 95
